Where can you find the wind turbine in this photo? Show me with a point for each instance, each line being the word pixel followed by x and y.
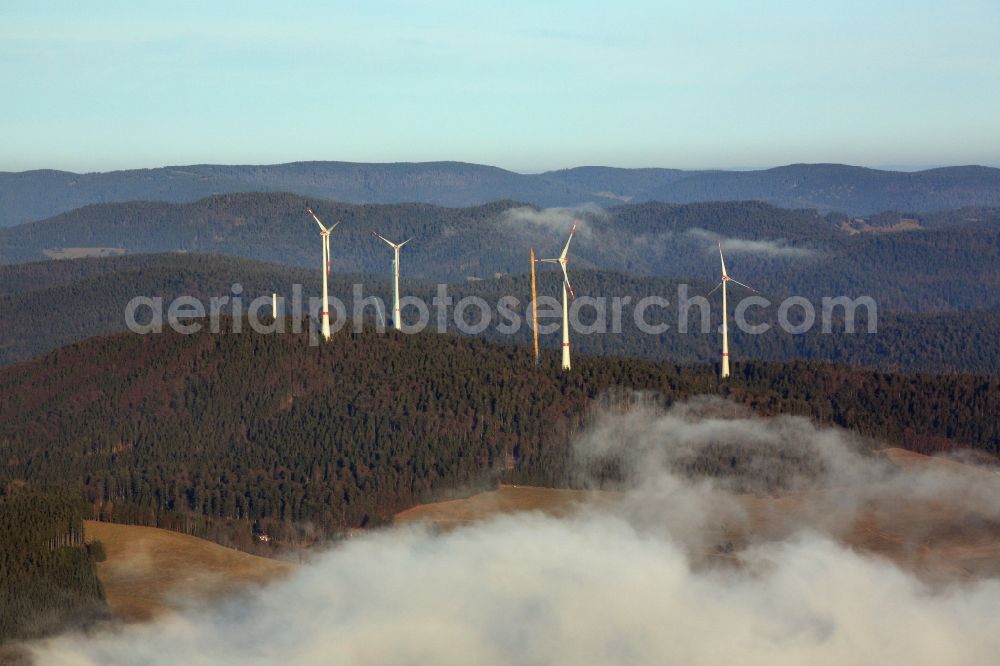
pixel 325 235
pixel 725 317
pixel 567 295
pixel 395 276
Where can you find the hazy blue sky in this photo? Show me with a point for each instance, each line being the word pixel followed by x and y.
pixel 523 85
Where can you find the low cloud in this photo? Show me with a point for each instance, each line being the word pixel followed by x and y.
pixel 556 220
pixel 658 244
pixel 647 579
pixel 767 248
pixel 710 455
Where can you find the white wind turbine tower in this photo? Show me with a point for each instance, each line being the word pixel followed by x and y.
pixel 395 277
pixel 567 295
pixel 325 235
pixel 725 316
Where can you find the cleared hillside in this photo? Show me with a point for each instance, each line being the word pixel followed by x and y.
pixel 149 571
pixel 504 500
pixel 940 539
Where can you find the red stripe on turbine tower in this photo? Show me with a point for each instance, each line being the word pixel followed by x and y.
pixel 324 233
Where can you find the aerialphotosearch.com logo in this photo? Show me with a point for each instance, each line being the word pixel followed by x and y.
pixel 472 315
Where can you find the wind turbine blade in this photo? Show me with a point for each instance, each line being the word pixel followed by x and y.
pixel 549 261
pixel 721 259
pixel 716 288
pixel 326 248
pixel 744 286
pixel 568 241
pixel 384 239
pixel 321 227
pixel 406 241
pixel 569 287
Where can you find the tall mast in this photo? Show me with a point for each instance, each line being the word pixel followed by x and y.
pixel 395 289
pixel 534 309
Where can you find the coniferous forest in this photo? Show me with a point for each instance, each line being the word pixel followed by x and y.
pixel 652 360
pixel 219 435
pixel 782 252
pixel 232 436
pixel 91 295
pixel 47 575
pixel 39 194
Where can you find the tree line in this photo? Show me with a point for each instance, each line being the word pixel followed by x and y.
pixel 234 434
pixel 90 296
pixel 48 579
pixel 779 251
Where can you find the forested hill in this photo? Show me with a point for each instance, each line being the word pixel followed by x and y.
pixel 917 263
pixel 218 432
pixel 34 195
pixel 51 304
pixel 48 581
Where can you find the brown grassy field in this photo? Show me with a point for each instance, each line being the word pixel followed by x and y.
pixel 505 499
pixel 938 540
pixel 82 252
pixel 149 570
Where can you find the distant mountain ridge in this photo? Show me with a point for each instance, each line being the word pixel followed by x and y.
pixel 90 296
pixel 34 195
pixel 780 252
